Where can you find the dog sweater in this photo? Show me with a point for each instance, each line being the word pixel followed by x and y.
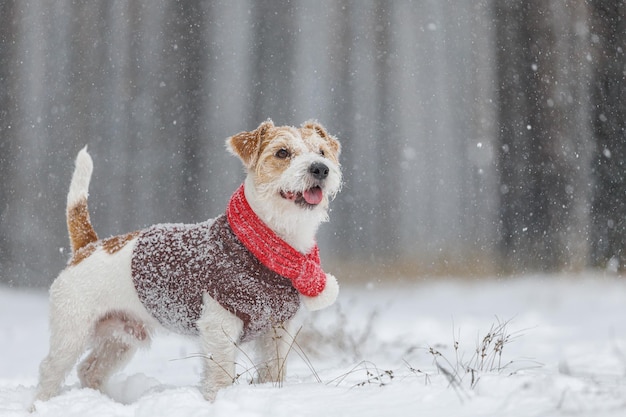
pixel 174 265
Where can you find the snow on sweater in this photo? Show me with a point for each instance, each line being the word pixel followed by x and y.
pixel 173 265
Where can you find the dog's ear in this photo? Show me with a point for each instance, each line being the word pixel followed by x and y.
pixel 247 145
pixel 334 144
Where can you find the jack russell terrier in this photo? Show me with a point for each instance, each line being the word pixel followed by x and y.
pixel 239 277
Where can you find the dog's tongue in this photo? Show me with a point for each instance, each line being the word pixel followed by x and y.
pixel 313 195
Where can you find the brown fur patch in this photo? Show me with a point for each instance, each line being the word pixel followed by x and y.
pixel 119 321
pixel 111 245
pixel 247 145
pixel 115 243
pixel 330 141
pixel 79 226
pixel 83 253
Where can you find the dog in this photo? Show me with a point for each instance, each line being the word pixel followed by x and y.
pixel 239 277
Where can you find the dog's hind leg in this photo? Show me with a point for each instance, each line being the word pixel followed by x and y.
pixel 107 357
pixel 117 337
pixel 219 332
pixel 68 341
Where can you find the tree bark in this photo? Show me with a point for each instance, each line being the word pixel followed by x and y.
pixel 7 140
pixel 608 35
pixel 543 152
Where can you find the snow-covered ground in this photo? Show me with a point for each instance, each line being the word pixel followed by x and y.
pixel 558 347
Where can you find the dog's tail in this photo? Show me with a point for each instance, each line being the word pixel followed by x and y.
pixel 78 223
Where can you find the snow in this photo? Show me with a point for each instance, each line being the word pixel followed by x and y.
pixel 372 354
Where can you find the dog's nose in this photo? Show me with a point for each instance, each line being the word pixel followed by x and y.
pixel 318 170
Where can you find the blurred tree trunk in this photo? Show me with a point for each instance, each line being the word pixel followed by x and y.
pixel 273 44
pixel 608 34
pixel 543 139
pixel 389 143
pixel 341 57
pixel 7 147
pixel 189 61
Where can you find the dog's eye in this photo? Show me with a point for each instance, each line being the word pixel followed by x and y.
pixel 283 153
pixel 322 152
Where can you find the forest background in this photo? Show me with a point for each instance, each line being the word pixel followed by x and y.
pixel 479 137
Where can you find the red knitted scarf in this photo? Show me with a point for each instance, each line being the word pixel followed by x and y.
pixel 304 271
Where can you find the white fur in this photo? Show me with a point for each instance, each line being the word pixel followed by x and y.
pixel 219 329
pixel 80 179
pixel 78 298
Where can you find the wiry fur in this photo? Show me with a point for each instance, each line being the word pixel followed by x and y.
pixel 94 304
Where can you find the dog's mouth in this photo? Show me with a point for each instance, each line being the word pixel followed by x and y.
pixel 308 198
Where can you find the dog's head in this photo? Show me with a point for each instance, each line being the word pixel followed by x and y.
pixel 290 167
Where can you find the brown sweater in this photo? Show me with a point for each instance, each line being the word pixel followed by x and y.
pixel 173 265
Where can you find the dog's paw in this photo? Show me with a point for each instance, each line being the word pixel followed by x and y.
pixel 325 298
pixel 209 395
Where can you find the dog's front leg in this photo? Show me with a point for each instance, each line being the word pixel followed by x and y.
pixel 219 331
pixel 274 348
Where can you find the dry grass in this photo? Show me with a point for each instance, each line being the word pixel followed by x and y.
pixel 463 371
pixel 486 357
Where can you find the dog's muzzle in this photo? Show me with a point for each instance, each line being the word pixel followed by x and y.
pixel 314 195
